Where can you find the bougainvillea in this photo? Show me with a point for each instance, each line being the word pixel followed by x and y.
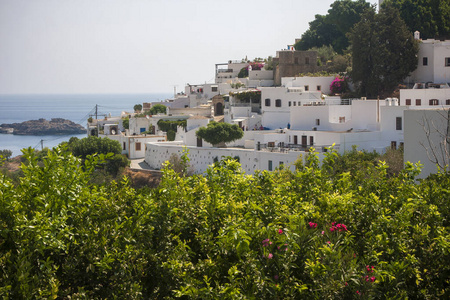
pixel 339 85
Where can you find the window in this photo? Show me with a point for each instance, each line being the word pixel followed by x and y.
pixel 270 165
pixel 306 60
pixel 434 102
pixel 317 122
pixel 281 164
pixel 278 103
pixel 447 102
pixel 267 102
pixel 306 88
pixel 124 146
pixel 447 61
pixel 311 140
pixel 290 103
pixel 295 103
pixel 341 119
pixel 401 145
pixel 214 88
pixel 418 102
pixel 408 102
pixel 138 146
pixel 299 103
pixel 393 145
pixel 425 61
pixel 319 88
pixel 398 123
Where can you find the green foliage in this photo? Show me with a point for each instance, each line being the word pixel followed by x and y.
pixel 158 108
pixel 430 17
pixel 384 52
pixel 216 133
pixel 93 145
pixel 166 125
pixel 5 153
pixel 243 73
pixel 137 107
pixel 268 63
pixel 331 29
pixel 126 123
pixel 249 96
pixel 171 135
pixel 180 163
pixel 321 232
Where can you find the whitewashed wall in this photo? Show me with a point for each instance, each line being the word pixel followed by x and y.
pixel 202 158
pixel 417 147
pixel 425 95
pixel 312 82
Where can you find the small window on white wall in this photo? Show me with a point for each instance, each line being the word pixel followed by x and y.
pixel 447 61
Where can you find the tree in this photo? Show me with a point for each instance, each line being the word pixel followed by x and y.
pixel 331 29
pixel 158 108
pixel 6 153
pixel 137 107
pixel 384 52
pixel 92 144
pixel 96 145
pixel 217 133
pixel 126 123
pixel 430 17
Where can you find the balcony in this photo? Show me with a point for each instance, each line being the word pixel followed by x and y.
pixel 225 71
pixel 286 148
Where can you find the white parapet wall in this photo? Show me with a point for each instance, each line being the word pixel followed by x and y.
pixel 201 157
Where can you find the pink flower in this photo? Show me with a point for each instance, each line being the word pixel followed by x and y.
pixel 346 284
pixel 280 231
pixel 323 232
pixel 372 279
pixel 270 256
pixel 358 292
pixel 312 225
pixel 328 242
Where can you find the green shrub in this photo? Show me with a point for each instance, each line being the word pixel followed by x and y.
pixel 320 232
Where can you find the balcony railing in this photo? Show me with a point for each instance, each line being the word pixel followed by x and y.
pixel 225 71
pixel 286 148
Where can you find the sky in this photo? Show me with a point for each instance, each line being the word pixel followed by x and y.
pixel 138 46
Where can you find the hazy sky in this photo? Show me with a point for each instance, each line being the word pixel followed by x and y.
pixel 138 46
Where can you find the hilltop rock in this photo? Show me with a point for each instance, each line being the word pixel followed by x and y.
pixel 56 126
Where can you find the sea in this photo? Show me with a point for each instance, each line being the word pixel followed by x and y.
pixel 77 108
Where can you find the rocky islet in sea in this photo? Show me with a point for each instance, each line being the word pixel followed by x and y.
pixel 56 126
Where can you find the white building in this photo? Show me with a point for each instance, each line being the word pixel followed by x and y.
pixel 434 62
pixel 427 138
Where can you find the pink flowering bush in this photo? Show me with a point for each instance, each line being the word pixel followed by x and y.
pixel 339 85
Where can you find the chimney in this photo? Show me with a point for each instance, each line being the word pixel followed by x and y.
pixel 417 35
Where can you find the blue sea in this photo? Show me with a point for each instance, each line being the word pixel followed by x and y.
pixel 77 108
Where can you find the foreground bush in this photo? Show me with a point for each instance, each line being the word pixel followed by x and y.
pixel 316 233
